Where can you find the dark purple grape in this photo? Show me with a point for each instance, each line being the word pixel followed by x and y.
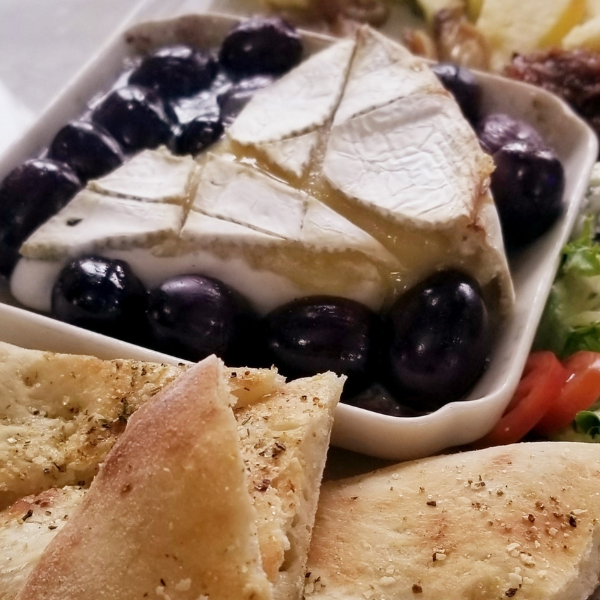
pixel 136 117
pixel 377 399
pixel 324 333
pixel 261 46
pixel 197 135
pixel 528 186
pixel 461 83
pixel 176 71
pixel 192 316
pixel 89 150
pixel 498 129
pixel 29 195
pixel 233 99
pixel 439 341
pixel 102 295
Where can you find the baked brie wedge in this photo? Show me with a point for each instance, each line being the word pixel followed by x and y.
pixel 355 175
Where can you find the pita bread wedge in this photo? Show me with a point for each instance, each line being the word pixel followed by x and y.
pixel 284 442
pixel 168 513
pixel 518 521
pixel 26 528
pixel 60 414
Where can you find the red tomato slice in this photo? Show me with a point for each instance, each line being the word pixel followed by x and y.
pixel 580 391
pixel 540 386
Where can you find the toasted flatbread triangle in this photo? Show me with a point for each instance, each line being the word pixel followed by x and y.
pixel 516 521
pixel 60 414
pixel 284 442
pixel 168 513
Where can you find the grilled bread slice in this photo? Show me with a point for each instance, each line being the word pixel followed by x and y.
pixel 168 513
pixel 516 521
pixel 60 414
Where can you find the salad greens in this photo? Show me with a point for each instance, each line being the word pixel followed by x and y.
pixel 571 319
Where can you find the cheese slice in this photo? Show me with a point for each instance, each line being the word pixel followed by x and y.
pixel 512 521
pixel 92 222
pixel 151 175
pixel 168 510
pixel 301 101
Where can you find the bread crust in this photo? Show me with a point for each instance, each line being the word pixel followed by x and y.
pixel 168 513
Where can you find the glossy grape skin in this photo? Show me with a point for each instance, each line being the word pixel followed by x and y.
pixel 498 129
pixel 136 117
pixel 102 295
pixel 261 46
pixel 324 333
pixel 29 195
pixel 176 71
pixel 192 317
pixel 527 186
pixel 196 135
pixel 439 341
pixel 89 150
pixel 233 99
pixel 461 83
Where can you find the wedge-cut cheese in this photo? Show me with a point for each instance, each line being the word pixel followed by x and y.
pixel 382 71
pixel 586 35
pixel 60 414
pixel 518 521
pixel 294 154
pixel 26 528
pixel 151 175
pixel 299 102
pixel 524 25
pixel 93 222
pixel 168 510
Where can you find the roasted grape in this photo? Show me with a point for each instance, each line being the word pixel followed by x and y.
pixel 176 71
pixel 198 134
pixel 136 117
pixel 498 129
pixel 261 46
pixel 528 186
pixel 324 333
pixel 29 195
pixel 461 83
pixel 438 341
pixel 102 295
pixel 233 99
pixel 90 151
pixel 192 317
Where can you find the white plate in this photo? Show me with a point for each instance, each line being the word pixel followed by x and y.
pixel 355 429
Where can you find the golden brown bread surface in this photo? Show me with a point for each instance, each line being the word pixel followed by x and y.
pixel 60 414
pixel 168 512
pixel 516 521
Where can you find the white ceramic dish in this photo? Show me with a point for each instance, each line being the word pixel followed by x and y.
pixel 355 429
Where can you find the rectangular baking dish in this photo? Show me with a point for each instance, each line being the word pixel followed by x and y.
pixel 355 429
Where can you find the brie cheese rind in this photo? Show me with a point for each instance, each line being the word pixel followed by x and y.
pixel 519 520
pixel 61 414
pixel 168 510
pixel 362 130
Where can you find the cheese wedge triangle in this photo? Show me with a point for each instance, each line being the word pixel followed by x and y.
pixel 169 508
pixel 516 521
